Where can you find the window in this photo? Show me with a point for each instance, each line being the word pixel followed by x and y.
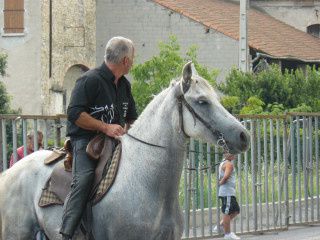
pixel 314 30
pixel 13 16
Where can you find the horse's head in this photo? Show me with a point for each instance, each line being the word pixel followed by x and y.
pixel 203 117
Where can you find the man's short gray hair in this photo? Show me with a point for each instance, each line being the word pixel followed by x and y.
pixel 117 48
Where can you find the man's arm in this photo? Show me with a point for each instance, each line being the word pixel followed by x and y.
pixel 227 173
pixel 87 122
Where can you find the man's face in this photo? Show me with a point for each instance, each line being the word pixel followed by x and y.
pixel 40 140
pixel 128 62
pixel 30 143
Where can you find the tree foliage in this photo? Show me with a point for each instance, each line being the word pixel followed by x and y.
pixel 5 107
pixel 253 106
pixel 231 103
pixel 152 76
pixel 4 97
pixel 279 92
pixel 3 64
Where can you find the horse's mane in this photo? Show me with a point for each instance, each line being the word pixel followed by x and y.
pixel 153 111
pixel 157 100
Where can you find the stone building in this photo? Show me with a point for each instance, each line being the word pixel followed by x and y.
pixel 301 14
pixel 68 48
pixel 21 40
pixel 54 42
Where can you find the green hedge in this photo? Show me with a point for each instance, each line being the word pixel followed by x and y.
pixel 272 91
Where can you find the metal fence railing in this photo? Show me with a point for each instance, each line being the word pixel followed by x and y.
pixel 15 128
pixel 277 178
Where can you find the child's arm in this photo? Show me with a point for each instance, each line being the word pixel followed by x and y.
pixel 228 168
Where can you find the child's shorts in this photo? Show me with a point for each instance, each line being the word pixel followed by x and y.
pixel 229 205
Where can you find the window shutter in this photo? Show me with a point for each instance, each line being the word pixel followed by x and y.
pixel 13 16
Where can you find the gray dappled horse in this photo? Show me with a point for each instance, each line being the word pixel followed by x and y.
pixel 143 202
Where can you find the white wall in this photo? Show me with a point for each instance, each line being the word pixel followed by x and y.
pixel 147 23
pixel 23 81
pixel 299 14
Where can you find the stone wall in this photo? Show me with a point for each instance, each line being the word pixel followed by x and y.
pixel 73 44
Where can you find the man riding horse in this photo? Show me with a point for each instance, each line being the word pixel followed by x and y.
pixel 101 101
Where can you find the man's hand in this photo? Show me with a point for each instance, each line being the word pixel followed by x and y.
pixel 112 130
pixel 85 121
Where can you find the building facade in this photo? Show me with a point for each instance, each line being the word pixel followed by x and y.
pixel 21 42
pixel 51 43
pixel 301 14
pixel 56 45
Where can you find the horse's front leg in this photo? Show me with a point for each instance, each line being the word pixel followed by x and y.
pixel 169 231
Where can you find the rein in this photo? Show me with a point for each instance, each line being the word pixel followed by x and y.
pixel 139 140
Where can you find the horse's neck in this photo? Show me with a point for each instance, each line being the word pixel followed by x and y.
pixel 158 124
pixel 160 166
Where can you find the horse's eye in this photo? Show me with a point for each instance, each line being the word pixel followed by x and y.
pixel 202 102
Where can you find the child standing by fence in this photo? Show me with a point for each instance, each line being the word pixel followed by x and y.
pixel 227 193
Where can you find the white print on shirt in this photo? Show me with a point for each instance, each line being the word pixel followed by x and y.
pixel 107 115
pixel 125 109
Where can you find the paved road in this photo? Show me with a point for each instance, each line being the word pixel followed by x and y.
pixel 310 232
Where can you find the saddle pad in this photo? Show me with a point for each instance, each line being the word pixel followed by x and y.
pixel 60 181
pixel 107 181
pixel 54 156
pixel 49 198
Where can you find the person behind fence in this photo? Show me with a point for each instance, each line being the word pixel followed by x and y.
pixel 101 101
pixel 227 193
pixel 30 147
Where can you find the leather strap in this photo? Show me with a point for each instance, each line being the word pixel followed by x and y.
pixel 139 140
pixel 182 101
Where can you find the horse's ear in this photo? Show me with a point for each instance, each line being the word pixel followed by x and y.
pixel 186 75
pixel 194 70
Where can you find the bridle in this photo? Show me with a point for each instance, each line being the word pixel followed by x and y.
pixel 221 142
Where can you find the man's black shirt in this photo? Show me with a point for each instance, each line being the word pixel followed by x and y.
pixel 96 94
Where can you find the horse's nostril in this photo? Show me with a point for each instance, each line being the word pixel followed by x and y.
pixel 243 137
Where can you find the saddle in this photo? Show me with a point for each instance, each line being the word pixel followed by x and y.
pixel 58 154
pixel 94 149
pixel 58 185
